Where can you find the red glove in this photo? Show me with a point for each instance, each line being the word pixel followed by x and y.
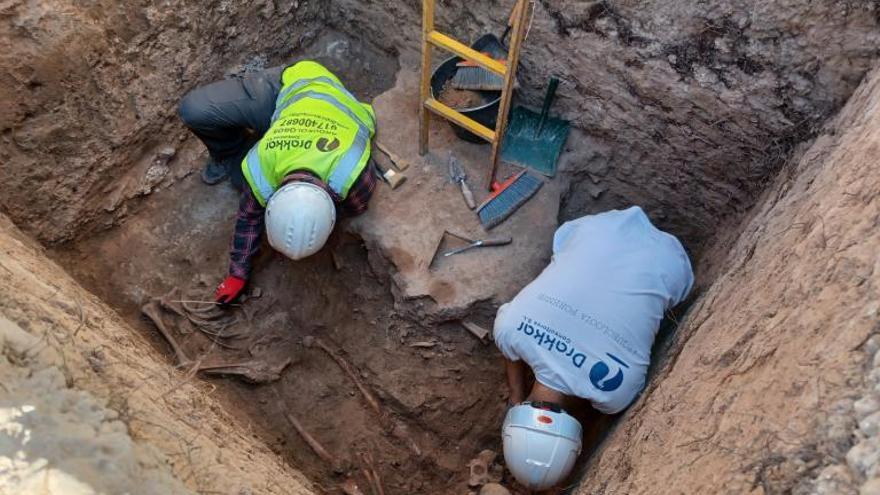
pixel 229 289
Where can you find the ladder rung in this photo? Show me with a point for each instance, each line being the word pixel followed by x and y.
pixel 464 121
pixel 440 40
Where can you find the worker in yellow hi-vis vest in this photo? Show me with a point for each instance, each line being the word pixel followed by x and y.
pixel 312 156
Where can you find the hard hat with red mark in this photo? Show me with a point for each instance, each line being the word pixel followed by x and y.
pixel 541 443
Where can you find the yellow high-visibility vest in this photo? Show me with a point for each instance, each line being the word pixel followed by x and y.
pixel 319 127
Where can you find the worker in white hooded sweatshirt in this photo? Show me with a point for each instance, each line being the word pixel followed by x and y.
pixel 585 327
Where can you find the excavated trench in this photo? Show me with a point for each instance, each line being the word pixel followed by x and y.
pixel 135 222
pixel 438 386
pixel 441 390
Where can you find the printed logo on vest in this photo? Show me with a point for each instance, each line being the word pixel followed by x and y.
pixel 601 375
pixel 326 145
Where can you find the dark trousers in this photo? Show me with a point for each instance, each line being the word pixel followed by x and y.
pixel 229 116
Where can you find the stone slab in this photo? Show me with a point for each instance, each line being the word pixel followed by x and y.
pixel 405 224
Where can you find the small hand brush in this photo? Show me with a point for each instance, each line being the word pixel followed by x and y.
pixel 471 76
pixel 507 198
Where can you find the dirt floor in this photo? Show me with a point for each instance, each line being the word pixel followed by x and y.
pixel 403 241
pixel 438 384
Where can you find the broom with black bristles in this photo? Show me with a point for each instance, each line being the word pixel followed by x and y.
pixel 472 77
pixel 507 197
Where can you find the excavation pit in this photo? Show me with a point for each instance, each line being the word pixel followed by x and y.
pixel 438 382
pixel 693 127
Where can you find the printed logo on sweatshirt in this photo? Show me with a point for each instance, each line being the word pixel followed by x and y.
pixel 552 340
pixel 592 321
pixel 602 374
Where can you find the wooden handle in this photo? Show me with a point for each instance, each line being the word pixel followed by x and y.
pixel 501 241
pixel 510 20
pixel 395 160
pixel 468 195
pixel 513 12
pixel 507 90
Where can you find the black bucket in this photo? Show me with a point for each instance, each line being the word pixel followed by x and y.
pixel 487 112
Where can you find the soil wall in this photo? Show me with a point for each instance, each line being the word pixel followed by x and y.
pixel 772 367
pixel 90 92
pixel 686 108
pixel 87 405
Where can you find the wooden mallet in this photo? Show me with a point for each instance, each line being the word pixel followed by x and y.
pixel 394 179
pixel 397 161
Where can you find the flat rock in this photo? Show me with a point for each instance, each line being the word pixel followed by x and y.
pixel 406 224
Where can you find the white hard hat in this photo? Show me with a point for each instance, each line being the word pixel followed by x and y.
pixel 541 444
pixel 299 219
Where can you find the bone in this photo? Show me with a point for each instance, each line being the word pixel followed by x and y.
pixel 478 331
pixel 202 309
pixel 253 371
pixel 400 431
pixel 219 329
pixel 332 462
pixel 494 489
pixel 311 341
pixel 479 468
pixel 424 345
pixel 216 324
pixel 372 474
pixel 337 260
pixel 153 311
pixel 349 487
pixel 166 302
pixel 212 304
pixel 218 342
pixel 369 476
pixel 210 320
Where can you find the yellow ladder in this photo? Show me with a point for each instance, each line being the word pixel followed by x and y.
pixel 433 38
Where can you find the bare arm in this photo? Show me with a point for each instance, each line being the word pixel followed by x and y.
pixel 516 380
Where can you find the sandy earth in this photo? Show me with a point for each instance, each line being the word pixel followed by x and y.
pixel 88 406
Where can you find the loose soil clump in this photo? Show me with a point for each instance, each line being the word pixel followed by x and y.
pixel 460 98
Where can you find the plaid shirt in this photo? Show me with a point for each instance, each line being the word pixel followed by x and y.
pixel 251 216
